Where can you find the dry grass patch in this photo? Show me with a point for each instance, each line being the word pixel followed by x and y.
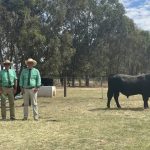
pixel 79 122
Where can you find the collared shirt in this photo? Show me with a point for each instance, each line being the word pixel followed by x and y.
pixel 35 78
pixel 4 82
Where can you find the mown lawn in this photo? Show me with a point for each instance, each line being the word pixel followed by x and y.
pixel 79 122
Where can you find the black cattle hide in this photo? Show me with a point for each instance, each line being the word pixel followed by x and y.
pixel 46 82
pixel 128 85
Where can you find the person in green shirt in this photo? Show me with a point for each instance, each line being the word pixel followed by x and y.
pixel 8 87
pixel 30 81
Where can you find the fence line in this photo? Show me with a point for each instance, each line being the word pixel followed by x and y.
pixel 81 82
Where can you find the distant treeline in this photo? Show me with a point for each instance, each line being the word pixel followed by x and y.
pixel 78 38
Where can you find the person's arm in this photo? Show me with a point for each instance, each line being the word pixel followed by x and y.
pixel 15 81
pixel 15 86
pixel 21 79
pixel 38 81
pixel 21 83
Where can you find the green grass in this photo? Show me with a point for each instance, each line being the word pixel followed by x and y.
pixel 79 122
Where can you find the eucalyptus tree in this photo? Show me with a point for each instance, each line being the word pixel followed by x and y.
pixel 59 49
pixel 85 38
pixel 80 20
pixel 111 30
pixel 10 15
pixel 31 41
pixel 21 26
pixel 98 32
pixel 139 53
pixel 2 44
pixel 98 37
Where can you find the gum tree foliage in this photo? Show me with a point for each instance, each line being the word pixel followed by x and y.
pixel 83 39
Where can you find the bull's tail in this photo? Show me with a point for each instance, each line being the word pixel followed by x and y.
pixel 110 85
pixel 110 92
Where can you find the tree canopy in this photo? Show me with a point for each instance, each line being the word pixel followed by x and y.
pixel 73 37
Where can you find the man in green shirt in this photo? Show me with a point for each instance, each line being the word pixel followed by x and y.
pixel 30 81
pixel 8 87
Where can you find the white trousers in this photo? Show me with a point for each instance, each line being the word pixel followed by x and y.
pixel 29 94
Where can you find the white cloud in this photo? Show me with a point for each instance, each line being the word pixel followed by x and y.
pixel 139 13
pixel 127 3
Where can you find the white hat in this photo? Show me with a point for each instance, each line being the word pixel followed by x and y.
pixel 7 62
pixel 31 60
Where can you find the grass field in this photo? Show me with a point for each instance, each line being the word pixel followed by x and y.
pixel 79 122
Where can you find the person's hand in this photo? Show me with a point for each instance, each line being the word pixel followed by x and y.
pixel 35 90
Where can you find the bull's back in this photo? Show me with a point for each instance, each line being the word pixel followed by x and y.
pixel 126 84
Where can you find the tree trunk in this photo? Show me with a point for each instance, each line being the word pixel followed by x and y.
pixel 80 82
pixel 87 80
pixel 61 81
pixel 1 57
pixel 73 81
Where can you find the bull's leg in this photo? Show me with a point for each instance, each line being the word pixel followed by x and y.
pixel 116 95
pixel 145 99
pixel 109 96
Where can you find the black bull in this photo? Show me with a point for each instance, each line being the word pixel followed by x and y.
pixel 128 85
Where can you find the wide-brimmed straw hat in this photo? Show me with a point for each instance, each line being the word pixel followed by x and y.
pixel 31 60
pixel 7 62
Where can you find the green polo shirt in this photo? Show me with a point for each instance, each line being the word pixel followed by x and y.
pixel 4 77
pixel 35 78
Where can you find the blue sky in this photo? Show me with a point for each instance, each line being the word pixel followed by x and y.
pixel 139 11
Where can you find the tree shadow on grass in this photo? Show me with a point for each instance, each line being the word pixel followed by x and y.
pixel 119 109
